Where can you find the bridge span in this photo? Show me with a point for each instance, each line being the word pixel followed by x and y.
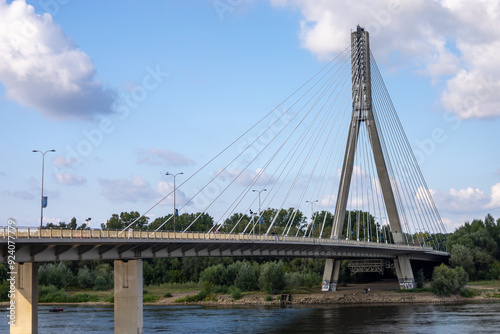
pixel 24 248
pixel 45 245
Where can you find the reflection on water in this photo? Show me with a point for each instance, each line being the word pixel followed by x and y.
pixel 425 319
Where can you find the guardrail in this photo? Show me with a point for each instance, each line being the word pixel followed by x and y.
pixel 37 233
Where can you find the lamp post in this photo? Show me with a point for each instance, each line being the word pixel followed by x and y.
pixel 312 212
pixel 41 200
pixel 259 191
pixel 174 175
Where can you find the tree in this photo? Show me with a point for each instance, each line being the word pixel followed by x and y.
pixel 119 222
pixel 85 278
pixel 272 277
pixel 446 281
pixel 461 256
pixel 246 279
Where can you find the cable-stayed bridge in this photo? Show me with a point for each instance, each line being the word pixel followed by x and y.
pixel 335 143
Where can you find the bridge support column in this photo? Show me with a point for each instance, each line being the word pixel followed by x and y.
pixel 405 273
pixel 128 297
pixel 24 277
pixel 331 275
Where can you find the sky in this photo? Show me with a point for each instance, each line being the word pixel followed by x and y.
pixel 126 91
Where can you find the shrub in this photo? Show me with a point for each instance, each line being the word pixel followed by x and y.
pixel 419 278
pixel 272 278
pixel 149 298
pixel 57 274
pixel 246 280
pixel 101 283
pixel 235 292
pixel 214 274
pixel 85 278
pixel 167 295
pixel 4 290
pixel 268 298
pixel 293 280
pixel 446 281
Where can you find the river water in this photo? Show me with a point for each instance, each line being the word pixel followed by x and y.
pixel 344 319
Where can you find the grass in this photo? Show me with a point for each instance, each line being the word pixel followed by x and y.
pixel 470 293
pixel 484 283
pixel 149 298
pixel 428 289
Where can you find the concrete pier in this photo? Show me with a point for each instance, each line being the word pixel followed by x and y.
pixel 128 297
pixel 25 306
pixel 331 275
pixel 404 272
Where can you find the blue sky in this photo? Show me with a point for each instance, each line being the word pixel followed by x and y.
pixel 137 89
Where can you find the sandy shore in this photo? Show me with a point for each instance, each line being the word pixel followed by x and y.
pixel 385 292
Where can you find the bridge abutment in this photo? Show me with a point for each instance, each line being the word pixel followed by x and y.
pixel 331 275
pixel 404 272
pixel 24 277
pixel 128 297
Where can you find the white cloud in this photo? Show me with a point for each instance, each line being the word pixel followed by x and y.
pixel 40 67
pixel 247 177
pixel 23 194
pixel 164 188
pixel 126 190
pixel 495 197
pixel 63 162
pixel 461 200
pixel 438 38
pixel 69 179
pixel 165 157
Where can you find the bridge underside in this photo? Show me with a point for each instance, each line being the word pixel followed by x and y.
pixel 46 250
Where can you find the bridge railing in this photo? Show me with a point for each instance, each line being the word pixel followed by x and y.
pixel 37 233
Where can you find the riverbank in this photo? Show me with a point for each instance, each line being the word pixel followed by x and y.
pixel 382 292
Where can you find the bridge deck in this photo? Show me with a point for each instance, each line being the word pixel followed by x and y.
pixel 41 245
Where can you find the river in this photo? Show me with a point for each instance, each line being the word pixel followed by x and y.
pixel 345 319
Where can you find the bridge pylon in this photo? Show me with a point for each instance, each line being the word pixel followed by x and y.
pixel 362 113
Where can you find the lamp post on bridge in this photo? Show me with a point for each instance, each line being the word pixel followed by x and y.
pixel 174 175
pixel 312 212
pixel 260 217
pixel 42 200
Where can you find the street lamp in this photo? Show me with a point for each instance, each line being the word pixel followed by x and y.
pixel 312 211
pixel 174 175
pixel 42 201
pixel 259 191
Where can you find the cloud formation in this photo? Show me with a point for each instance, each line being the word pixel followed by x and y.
pixel 457 41
pixel 162 157
pixel 69 179
pixel 41 68
pixel 126 190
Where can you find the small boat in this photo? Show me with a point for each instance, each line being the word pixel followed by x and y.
pixel 54 309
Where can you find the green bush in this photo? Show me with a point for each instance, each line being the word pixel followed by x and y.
pixel 4 290
pixel 235 292
pixel 268 298
pixel 469 293
pixel 51 294
pixel 149 298
pixel 82 298
pixel 419 278
pixel 246 280
pixel 446 281
pixel 101 283
pixel 85 278
pixel 272 277
pixel 57 274
pixel 214 274
pixel 167 295
pixel 293 280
